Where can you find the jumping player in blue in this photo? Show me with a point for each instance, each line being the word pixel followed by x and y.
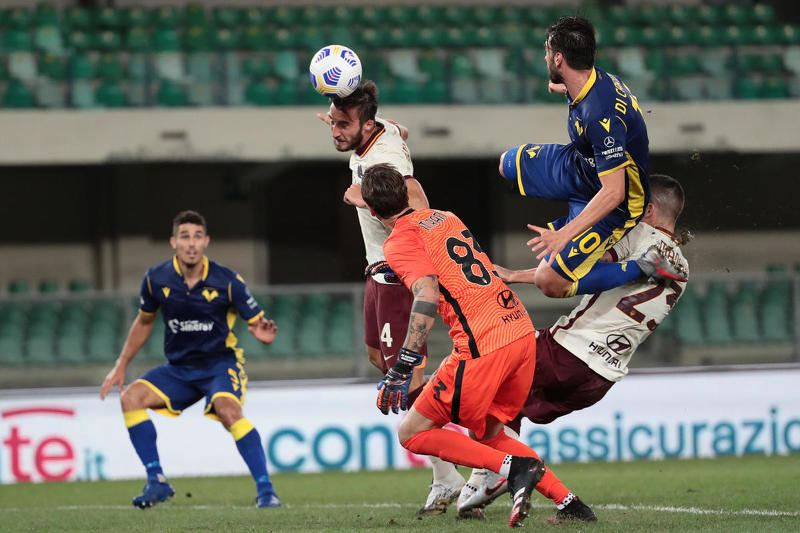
pixel 199 301
pixel 602 174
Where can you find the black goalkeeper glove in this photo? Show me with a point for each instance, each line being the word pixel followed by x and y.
pixel 382 267
pixel 393 389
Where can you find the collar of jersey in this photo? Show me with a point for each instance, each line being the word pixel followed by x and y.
pixel 379 129
pixel 177 266
pixel 589 84
pixel 668 233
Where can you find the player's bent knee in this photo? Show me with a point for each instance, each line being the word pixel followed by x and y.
pixel 551 283
pixel 134 397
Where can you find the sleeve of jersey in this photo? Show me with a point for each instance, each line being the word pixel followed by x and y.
pixel 148 304
pixel 394 152
pixel 244 302
pixel 621 251
pixel 406 254
pixel 608 137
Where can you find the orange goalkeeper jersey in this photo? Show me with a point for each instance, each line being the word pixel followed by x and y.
pixel 482 312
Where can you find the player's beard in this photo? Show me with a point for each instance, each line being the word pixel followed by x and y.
pixel 352 145
pixel 555 75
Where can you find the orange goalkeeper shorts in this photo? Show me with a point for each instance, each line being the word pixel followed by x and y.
pixel 467 391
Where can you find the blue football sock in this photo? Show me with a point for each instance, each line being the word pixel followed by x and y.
pixel 142 432
pixel 248 441
pixel 605 276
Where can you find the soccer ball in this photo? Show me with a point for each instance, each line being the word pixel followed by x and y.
pixel 335 71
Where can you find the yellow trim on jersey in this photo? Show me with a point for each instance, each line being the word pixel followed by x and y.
pixel 149 287
pixel 133 418
pixel 213 416
pixel 176 265
pixel 573 289
pixel 231 340
pixel 148 313
pixel 587 264
pixel 230 293
pixel 621 165
pixel 635 191
pixel 586 87
pixel 166 411
pixel 255 318
pixel 564 268
pixel 372 142
pixel 241 428
pixel 519 173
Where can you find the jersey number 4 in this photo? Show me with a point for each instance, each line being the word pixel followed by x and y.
pixel 472 267
pixel 628 304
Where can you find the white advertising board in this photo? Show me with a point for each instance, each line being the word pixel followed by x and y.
pixel 76 436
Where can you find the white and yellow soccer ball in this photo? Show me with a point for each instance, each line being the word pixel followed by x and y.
pixel 335 71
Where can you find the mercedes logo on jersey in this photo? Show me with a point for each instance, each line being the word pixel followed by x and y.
pixel 608 141
pixel 618 344
pixel 506 299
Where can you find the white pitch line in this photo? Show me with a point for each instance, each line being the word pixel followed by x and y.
pixel 389 505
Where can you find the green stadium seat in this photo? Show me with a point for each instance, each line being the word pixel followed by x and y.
pixel 109 68
pixel 403 63
pixel 79 41
pixel 111 94
pixel 78 285
pixel 18 286
pixel 82 67
pixel 286 16
pixel 709 36
pixel 48 39
pixel 168 17
pixel 255 39
pixel 252 16
pixel 745 317
pixel 509 35
pixel 51 93
pixel 197 39
pixel 169 66
pixel 763 13
pixel 774 88
pixel 153 349
pixel 77 18
pixel 107 40
pixel 18 40
pixel 681 14
pixel 48 286
pixel 137 16
pixel 715 312
pixel 19 18
pixel 343 35
pixel 11 350
pixel 257 67
pixel 631 61
pixel 313 16
pixel 401 15
pixel 225 39
pixel 70 347
pixel 18 96
pixel 765 35
pixel 286 65
pixel 171 94
pixel 82 94
pixel 340 332
pixel 686 314
pixel 137 39
pixel 654 36
pixel 259 93
pixel 229 17
pixel 719 87
pixel 102 344
pixel 312 39
pixel 45 14
pixel 431 64
pixel 137 67
pixel 40 347
pixel 201 94
pixel 736 14
pixel 715 61
pixel 166 40
pixel 627 36
pixel 736 35
pixel 709 14
pixel 194 15
pixel 108 17
pixel 682 64
pixel 200 67
pixel 747 88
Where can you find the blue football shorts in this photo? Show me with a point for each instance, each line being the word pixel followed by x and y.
pixel 550 171
pixel 181 386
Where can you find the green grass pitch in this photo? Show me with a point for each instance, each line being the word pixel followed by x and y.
pixel 750 494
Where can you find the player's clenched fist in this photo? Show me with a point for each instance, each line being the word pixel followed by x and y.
pixel 393 389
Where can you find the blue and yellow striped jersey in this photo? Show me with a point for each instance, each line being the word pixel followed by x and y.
pixel 199 320
pixel 607 129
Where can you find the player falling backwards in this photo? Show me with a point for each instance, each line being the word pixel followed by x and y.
pixel 199 301
pixel 602 173
pixel 584 354
pixel 356 127
pixel 485 380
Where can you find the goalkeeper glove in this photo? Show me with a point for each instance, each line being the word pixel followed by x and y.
pixel 382 267
pixel 393 389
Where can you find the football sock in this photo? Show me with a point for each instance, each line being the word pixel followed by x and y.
pixel 142 432
pixel 550 486
pixel 248 442
pixel 605 276
pixel 442 469
pixel 456 448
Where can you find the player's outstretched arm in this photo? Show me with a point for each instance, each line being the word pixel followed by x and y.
pixel 610 195
pixel 140 330
pixel 325 117
pixel 264 330
pixel 416 196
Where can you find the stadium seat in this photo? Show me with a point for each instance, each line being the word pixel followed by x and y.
pixel 102 344
pixel 79 40
pixel 19 18
pixel 137 16
pixel 715 312
pixel 197 39
pixel 137 39
pixel 686 314
pixel 255 39
pixel 48 286
pixel 171 94
pixel 77 18
pixel 340 327
pixel 166 40
pixel 111 94
pixel 48 39
pixel 169 66
pixel 286 16
pixel 109 68
pixel 747 88
pixel 18 286
pixel 70 346
pixel 259 93
pixel 745 317
pixel 167 17
pixel 228 17
pixel 709 14
pixel 286 65
pixel 22 66
pixel 18 95
pixel 194 15
pixel 681 14
pixel 40 346
pixel 78 285
pixel 45 14
pixel 11 350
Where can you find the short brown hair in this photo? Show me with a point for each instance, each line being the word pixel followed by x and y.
pixel 666 192
pixel 384 190
pixel 364 99
pixel 188 217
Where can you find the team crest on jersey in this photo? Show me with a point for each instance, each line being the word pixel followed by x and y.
pixel 578 126
pixel 165 290
pixel 210 294
pixel 533 151
pixel 606 123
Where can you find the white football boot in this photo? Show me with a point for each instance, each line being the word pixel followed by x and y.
pixel 442 494
pixel 483 487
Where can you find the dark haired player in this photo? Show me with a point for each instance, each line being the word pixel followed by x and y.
pixel 602 173
pixel 199 301
pixel 356 127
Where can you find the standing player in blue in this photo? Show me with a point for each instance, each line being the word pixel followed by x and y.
pixel 602 174
pixel 199 301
